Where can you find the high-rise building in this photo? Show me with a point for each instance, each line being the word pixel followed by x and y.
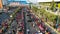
pixel 5 2
pixel 1 4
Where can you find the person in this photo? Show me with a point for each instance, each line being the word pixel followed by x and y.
pixel 14 31
pixel 10 32
pixel 46 19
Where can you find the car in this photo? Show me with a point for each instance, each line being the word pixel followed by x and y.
pixel 9 31
pixel 28 30
pixel 20 27
pixel 38 32
pixel 28 14
pixel 41 27
pixel 1 31
pixel 20 31
pixel 29 20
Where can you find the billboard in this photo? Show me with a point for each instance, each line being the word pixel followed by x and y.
pixel 16 0
pixel 1 4
pixel 20 1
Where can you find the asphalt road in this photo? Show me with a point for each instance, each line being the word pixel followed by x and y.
pixel 29 26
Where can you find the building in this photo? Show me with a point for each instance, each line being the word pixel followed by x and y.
pixel 5 2
pixel 1 4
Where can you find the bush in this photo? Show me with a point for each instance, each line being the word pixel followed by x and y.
pixel 48 15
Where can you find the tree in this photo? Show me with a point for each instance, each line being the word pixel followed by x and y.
pixel 53 5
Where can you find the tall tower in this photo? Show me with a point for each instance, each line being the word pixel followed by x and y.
pixel 1 4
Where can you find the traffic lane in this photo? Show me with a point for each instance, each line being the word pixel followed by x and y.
pixel 5 19
pixel 23 21
pixel 24 10
pixel 30 26
pixel 44 26
pixel 13 25
pixel 49 29
pixel 20 28
pixel 4 16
